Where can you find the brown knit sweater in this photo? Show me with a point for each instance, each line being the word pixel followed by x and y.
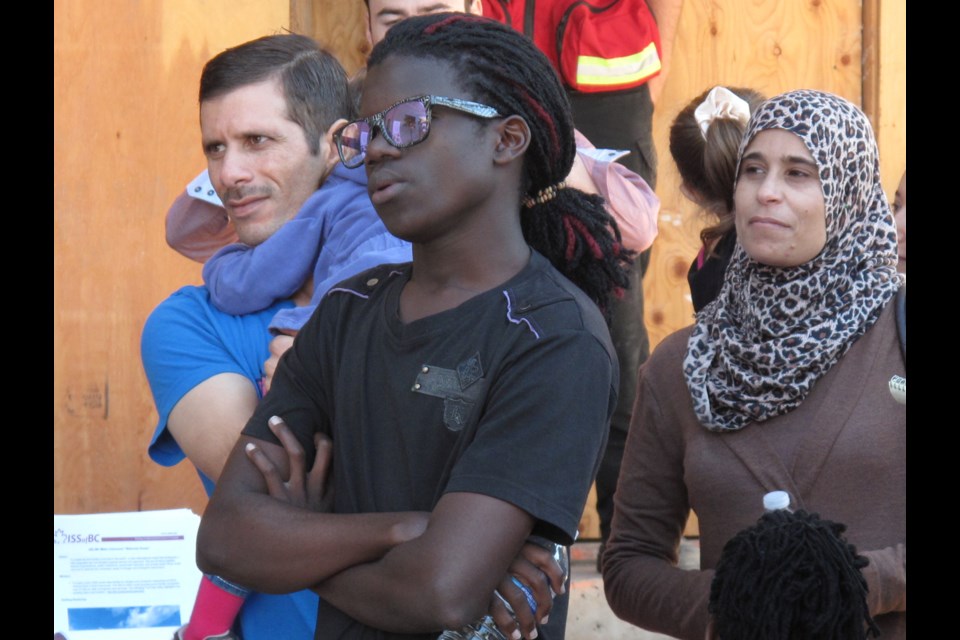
pixel 842 454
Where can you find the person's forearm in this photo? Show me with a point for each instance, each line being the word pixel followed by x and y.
pixel 653 594
pixel 234 278
pixel 667 15
pixel 377 595
pixel 250 546
pixel 441 580
pixel 197 228
pixel 641 577
pixel 267 545
pixel 633 205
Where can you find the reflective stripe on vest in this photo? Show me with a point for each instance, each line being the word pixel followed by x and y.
pixel 593 70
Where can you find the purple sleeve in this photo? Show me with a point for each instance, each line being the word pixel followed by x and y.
pixel 244 279
pixel 379 249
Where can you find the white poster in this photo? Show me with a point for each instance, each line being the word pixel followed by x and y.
pixel 124 576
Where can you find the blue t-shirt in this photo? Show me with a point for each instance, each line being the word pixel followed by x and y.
pixel 185 341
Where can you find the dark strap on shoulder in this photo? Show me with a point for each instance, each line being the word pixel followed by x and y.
pixel 902 321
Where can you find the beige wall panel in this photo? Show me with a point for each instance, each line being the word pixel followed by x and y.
pixel 338 26
pixel 770 46
pixel 126 142
pixel 891 121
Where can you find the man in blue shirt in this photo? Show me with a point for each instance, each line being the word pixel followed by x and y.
pixel 268 109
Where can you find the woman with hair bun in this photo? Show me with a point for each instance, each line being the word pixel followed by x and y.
pixel 704 139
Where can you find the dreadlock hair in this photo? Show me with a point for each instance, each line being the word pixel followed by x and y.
pixel 503 69
pixel 791 576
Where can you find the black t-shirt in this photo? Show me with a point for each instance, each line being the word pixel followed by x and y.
pixel 507 395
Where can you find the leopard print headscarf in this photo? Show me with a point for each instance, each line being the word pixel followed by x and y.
pixel 757 350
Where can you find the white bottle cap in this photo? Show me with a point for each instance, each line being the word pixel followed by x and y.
pixel 776 500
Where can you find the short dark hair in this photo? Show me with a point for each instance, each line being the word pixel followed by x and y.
pixel 791 576
pixel 314 83
pixel 502 68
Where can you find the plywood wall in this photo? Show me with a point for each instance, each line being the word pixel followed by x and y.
pixel 890 116
pixel 126 141
pixel 338 26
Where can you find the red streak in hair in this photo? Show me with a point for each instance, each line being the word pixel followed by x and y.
pixel 589 239
pixel 460 17
pixel 571 238
pixel 543 115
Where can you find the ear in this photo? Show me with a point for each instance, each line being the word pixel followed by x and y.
pixel 513 138
pixel 476 8
pixel 328 149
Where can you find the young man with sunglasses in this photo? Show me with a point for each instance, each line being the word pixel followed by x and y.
pixel 432 378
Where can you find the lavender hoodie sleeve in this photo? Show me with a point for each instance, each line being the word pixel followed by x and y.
pixel 244 279
pixel 355 240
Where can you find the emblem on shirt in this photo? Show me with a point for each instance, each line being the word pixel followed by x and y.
pixel 470 370
pixel 456 386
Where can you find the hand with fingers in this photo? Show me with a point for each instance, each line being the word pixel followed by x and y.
pixel 524 597
pixel 305 489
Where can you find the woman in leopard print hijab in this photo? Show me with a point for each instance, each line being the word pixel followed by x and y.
pixel 788 370
pixel 805 281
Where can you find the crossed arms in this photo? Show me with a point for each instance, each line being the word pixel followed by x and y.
pixel 402 572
